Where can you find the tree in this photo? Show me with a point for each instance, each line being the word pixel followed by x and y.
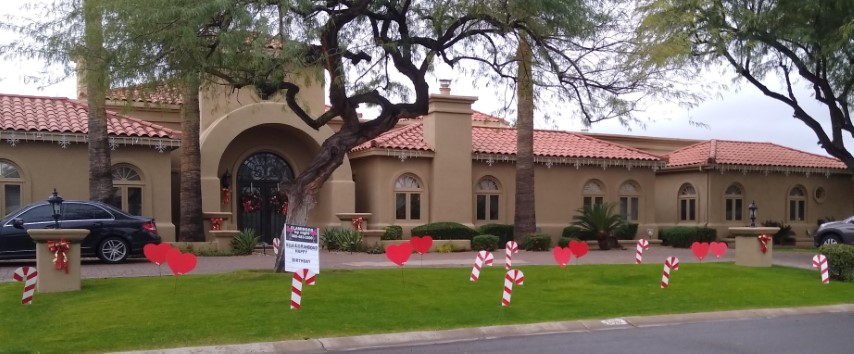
pixel 807 43
pixel 525 218
pixel 97 82
pixel 599 220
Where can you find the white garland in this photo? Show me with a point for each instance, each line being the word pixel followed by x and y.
pixel 14 138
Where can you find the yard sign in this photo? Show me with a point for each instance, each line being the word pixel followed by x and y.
pixel 301 248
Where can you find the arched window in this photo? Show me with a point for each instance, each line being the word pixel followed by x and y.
pixel 487 199
pixel 10 187
pixel 593 193
pixel 127 189
pixel 797 204
pixel 407 198
pixel 733 202
pixel 687 203
pixel 629 201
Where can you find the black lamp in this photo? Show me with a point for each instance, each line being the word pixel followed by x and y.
pixel 55 206
pixel 752 207
pixel 225 180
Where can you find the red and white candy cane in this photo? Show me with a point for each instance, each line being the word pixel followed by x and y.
pixel 301 276
pixel 29 276
pixel 276 245
pixel 820 261
pixel 483 258
pixel 643 244
pixel 510 248
pixel 513 276
pixel 670 263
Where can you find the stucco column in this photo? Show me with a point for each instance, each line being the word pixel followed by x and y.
pixel 52 280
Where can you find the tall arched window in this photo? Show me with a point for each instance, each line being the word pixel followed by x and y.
pixel 487 199
pixel 797 204
pixel 687 203
pixel 733 202
pixel 127 189
pixel 593 193
pixel 10 187
pixel 407 198
pixel 629 201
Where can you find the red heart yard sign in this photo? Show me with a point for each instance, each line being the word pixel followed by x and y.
pixel 421 244
pixel 718 249
pixel 156 253
pixel 562 255
pixel 579 249
pixel 399 254
pixel 700 249
pixel 181 263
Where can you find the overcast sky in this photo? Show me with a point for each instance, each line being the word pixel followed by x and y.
pixel 741 113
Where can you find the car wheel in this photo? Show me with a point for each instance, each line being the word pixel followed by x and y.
pixel 113 250
pixel 831 240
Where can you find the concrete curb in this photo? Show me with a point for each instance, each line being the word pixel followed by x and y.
pixel 333 344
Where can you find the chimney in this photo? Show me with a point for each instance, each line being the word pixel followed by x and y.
pixel 445 87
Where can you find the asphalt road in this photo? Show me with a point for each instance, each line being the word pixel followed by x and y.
pixel 820 333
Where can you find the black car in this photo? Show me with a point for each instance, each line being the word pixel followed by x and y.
pixel 833 232
pixel 113 234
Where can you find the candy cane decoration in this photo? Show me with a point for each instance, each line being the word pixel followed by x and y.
pixel 820 261
pixel 31 276
pixel 513 276
pixel 643 244
pixel 670 263
pixel 483 258
pixel 276 245
pixel 510 248
pixel 299 277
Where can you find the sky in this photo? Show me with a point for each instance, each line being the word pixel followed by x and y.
pixel 739 113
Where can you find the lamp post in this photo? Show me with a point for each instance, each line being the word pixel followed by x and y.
pixel 55 206
pixel 752 207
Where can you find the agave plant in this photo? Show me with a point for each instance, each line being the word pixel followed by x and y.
pixel 598 220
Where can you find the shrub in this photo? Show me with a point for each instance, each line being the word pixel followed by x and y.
pixel 840 261
pixel 503 231
pixel 348 240
pixel 392 232
pixel 244 243
pixel 626 232
pixel 782 236
pixel 376 249
pixel 577 233
pixel 446 247
pixel 600 222
pixel 485 242
pixel 329 237
pixel 537 242
pixel 564 241
pixel 684 236
pixel 445 231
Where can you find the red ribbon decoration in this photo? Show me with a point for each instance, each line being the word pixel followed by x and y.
pixel 60 254
pixel 226 196
pixel 216 223
pixel 357 223
pixel 763 241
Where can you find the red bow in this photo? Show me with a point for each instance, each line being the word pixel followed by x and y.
pixel 357 223
pixel 763 241
pixel 216 223
pixel 60 254
pixel 226 196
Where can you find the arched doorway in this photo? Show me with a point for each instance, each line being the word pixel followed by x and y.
pixel 262 205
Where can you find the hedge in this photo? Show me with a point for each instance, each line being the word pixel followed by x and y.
pixel 683 236
pixel 503 231
pixel 564 241
pixel 626 232
pixel 392 232
pixel 445 231
pixel 840 261
pixel 537 242
pixel 485 243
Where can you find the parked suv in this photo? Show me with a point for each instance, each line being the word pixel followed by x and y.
pixel 831 233
pixel 113 234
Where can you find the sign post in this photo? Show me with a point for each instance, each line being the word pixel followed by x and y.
pixel 302 249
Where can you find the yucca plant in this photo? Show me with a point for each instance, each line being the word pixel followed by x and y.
pixel 598 220
pixel 245 241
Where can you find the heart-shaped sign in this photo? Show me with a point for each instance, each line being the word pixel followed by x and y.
pixel 700 249
pixel 718 249
pixel 181 263
pixel 561 255
pixel 399 254
pixel 421 244
pixel 579 249
pixel 156 253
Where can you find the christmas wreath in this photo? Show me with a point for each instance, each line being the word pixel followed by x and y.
pixel 279 204
pixel 251 202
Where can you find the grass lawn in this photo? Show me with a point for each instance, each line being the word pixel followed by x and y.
pixel 246 306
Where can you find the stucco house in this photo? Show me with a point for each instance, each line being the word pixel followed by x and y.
pixel 453 164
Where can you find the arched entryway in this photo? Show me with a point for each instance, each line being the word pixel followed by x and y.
pixel 262 206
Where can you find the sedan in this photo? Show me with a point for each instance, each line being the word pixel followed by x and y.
pixel 831 233
pixel 113 234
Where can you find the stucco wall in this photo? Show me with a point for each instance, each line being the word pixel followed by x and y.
pixel 667 186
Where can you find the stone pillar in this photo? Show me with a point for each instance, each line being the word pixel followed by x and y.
pixel 748 250
pixel 52 280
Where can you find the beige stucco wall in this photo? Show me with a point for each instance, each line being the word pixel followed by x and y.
pixel 45 166
pixel 667 184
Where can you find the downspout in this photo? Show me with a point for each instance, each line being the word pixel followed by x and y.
pixel 708 196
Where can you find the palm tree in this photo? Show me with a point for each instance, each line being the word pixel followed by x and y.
pixel 599 220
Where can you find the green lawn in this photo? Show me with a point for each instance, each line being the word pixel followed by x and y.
pixel 148 313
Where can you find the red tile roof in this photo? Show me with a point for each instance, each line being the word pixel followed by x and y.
pixel 743 153
pixel 409 137
pixel 162 94
pixel 63 115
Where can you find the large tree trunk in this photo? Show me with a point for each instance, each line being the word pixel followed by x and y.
pixel 97 83
pixel 191 226
pixel 525 216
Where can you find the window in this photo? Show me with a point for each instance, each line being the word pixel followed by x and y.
pixel 407 198
pixel 733 203
pixel 797 204
pixel 10 188
pixel 127 189
pixel 629 201
pixel 487 199
pixel 593 193
pixel 41 213
pixel 78 211
pixel 687 203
